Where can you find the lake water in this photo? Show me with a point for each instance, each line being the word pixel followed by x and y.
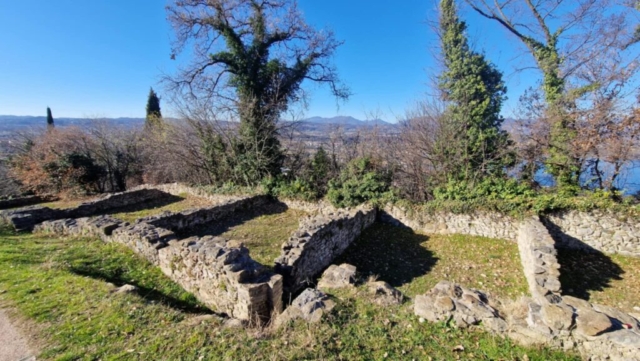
pixel 628 181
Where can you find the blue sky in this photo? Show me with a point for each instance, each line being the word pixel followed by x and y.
pixel 98 58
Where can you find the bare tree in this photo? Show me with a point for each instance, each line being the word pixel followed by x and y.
pixel 250 58
pixel 563 38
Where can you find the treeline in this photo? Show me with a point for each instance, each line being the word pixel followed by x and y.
pixel 581 125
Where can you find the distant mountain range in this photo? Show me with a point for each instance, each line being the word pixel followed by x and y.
pixel 346 120
pixel 13 122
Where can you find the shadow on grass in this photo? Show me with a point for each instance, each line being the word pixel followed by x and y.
pixel 118 278
pixel 234 220
pixel 583 269
pixel 583 272
pixel 394 254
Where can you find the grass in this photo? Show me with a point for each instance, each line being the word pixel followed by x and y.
pixel 607 280
pixel 264 234
pixel 415 263
pixel 61 284
pixel 64 203
pixel 180 203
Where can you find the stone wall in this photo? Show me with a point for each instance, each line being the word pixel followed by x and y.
pixel 223 276
pixel 539 262
pixel 318 242
pixel 179 189
pixel 23 201
pixel 598 230
pixel 595 230
pixel 181 221
pixel 485 224
pixel 220 273
pixel 27 218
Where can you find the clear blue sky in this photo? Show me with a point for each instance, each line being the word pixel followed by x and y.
pixel 99 57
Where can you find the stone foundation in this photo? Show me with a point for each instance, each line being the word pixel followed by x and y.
pixel 318 242
pixel 220 273
pixel 26 218
pixel 596 230
pixel 597 332
pixel 23 201
pixel 485 224
pixel 192 218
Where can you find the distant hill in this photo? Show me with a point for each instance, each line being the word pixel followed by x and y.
pixel 15 122
pixel 10 123
pixel 346 120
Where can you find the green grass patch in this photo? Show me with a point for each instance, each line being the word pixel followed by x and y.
pixel 264 234
pixel 415 262
pixel 180 203
pixel 607 280
pixel 62 285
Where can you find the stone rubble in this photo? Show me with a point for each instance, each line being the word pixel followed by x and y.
pixel 597 332
pixel 310 305
pixel 384 294
pixel 340 276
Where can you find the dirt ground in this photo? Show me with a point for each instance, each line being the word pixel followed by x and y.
pixel 14 346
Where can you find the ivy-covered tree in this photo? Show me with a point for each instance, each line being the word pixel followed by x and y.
pixel 154 115
pixel 49 118
pixel 563 37
pixel 474 92
pixel 250 58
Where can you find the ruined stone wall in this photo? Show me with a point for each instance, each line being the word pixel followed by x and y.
pixel 27 218
pixel 178 189
pixel 220 273
pixel 22 201
pixel 599 230
pixel 485 224
pixel 318 242
pixel 223 276
pixel 313 208
pixel 181 221
pixel 539 262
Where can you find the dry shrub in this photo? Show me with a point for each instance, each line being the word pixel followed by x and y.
pixel 57 162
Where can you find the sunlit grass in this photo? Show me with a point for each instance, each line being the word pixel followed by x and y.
pixel 415 262
pixel 62 284
pixel 264 235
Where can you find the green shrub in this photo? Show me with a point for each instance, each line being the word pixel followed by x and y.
pixel 358 183
pixel 295 189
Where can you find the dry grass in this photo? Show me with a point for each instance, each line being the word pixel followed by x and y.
pixel 415 262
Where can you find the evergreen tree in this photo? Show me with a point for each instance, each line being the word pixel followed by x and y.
pixel 320 167
pixel 474 91
pixel 49 118
pixel 154 115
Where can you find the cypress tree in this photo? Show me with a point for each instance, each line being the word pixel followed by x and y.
pixel 49 118
pixel 153 109
pixel 474 91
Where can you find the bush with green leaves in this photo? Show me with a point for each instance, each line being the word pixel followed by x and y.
pixel 359 182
